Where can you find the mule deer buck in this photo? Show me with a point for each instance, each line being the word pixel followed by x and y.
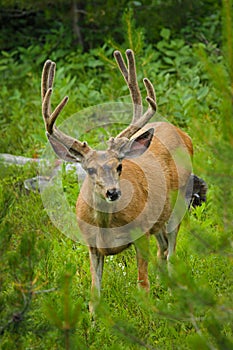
pixel 134 184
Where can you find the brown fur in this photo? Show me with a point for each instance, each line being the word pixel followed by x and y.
pixel 153 176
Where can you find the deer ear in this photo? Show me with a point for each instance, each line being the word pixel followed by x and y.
pixel 139 145
pixel 62 152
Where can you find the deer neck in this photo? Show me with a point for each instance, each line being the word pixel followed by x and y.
pixel 102 211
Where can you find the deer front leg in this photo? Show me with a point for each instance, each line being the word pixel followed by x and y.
pixel 142 254
pixel 96 267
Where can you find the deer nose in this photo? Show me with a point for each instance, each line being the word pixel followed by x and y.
pixel 113 194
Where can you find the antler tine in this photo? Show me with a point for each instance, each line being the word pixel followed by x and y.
pixel 46 81
pixel 151 97
pixel 131 80
pixel 49 117
pixel 129 74
pixel 120 61
pixel 44 78
pixel 48 75
pixel 53 133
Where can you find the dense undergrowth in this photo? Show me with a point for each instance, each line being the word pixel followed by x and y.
pixel 45 276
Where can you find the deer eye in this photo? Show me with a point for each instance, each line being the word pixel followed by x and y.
pixel 91 171
pixel 119 169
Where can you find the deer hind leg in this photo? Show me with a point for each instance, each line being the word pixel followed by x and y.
pixel 171 236
pixel 162 242
pixel 96 267
pixel 142 254
pixel 166 245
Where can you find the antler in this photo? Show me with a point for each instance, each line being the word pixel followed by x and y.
pixel 68 147
pixel 139 119
pixel 60 141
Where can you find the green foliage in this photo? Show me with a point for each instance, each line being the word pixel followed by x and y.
pixel 88 25
pixel 45 278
